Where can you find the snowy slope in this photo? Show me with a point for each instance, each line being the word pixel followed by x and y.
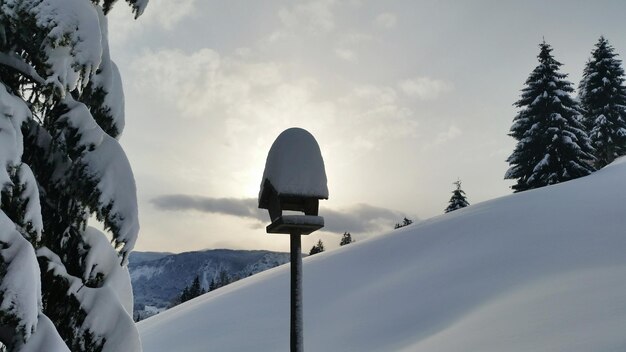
pixel 542 270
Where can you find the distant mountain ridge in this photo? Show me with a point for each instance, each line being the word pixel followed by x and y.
pixel 140 257
pixel 159 277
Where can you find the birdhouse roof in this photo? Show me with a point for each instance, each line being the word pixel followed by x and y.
pixel 294 167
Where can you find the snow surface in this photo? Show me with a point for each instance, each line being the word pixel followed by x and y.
pixel 303 220
pixel 541 270
pixel 46 338
pixel 294 165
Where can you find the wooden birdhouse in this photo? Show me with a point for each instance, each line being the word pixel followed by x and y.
pixel 294 180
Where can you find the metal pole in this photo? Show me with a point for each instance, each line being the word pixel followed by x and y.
pixel 296 340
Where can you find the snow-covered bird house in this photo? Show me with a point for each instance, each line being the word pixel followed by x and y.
pixel 294 179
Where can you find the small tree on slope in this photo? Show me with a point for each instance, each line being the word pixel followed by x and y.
pixel 63 285
pixel 346 239
pixel 405 222
pixel 458 199
pixel 192 291
pixel 317 248
pixel 603 100
pixel 552 145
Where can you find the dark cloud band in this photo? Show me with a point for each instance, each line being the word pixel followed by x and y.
pixel 360 218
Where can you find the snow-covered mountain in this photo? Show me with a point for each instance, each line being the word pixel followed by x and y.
pixel 541 270
pixel 157 278
pixel 140 257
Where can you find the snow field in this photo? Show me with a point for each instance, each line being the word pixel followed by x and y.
pixel 541 270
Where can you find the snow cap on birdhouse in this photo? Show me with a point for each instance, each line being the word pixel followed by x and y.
pixel 294 174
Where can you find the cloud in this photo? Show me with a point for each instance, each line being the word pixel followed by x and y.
pixel 314 16
pixel 355 38
pixel 425 88
pixel 443 137
pixel 348 44
pixel 345 54
pixel 203 81
pixel 380 112
pixel 246 207
pixel 167 13
pixel 448 135
pixel 160 14
pixel 360 218
pixel 386 20
pixel 250 95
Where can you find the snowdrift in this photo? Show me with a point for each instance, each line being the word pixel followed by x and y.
pixel 543 270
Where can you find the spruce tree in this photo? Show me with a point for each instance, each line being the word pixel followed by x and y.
pixel 346 239
pixel 405 222
pixel 458 199
pixel 61 112
pixel 552 145
pixel 189 292
pixel 223 278
pixel 317 248
pixel 603 100
pixel 195 289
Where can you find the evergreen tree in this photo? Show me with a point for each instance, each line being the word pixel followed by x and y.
pixel 184 296
pixel 223 278
pixel 458 199
pixel 189 292
pixel 346 239
pixel 552 145
pixel 61 112
pixel 317 248
pixel 603 99
pixel 195 289
pixel 405 222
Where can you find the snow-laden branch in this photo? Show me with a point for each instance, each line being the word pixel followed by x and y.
pixel 105 164
pixel 107 313
pixel 21 66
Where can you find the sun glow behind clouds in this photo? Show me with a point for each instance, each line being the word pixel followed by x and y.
pixel 250 103
pixel 403 97
pixel 229 107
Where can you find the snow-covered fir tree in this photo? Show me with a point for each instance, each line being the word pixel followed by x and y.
pixel 603 100
pixel 458 199
pixel 63 284
pixel 552 144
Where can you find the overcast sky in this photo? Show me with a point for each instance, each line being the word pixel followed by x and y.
pixel 403 97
